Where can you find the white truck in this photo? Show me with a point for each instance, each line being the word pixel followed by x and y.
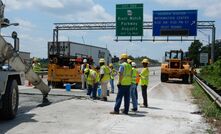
pixel 10 79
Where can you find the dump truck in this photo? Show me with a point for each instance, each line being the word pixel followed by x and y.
pixel 176 66
pixel 14 74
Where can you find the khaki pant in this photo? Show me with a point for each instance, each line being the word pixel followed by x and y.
pixel 104 88
pixel 82 81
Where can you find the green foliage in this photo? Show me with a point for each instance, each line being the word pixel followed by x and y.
pixel 197 47
pixel 44 63
pixel 208 106
pixel 212 74
pixel 194 51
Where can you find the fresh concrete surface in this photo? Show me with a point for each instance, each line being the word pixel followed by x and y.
pixel 169 112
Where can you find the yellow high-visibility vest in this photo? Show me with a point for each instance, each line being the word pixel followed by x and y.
pixel 134 75
pixel 127 74
pixel 144 76
pixel 113 72
pixel 36 67
pixel 106 76
pixel 90 77
pixel 97 77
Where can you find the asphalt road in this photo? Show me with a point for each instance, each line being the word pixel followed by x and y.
pixel 170 110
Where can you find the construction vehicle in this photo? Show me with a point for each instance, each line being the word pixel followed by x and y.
pixel 176 66
pixel 63 67
pixel 11 78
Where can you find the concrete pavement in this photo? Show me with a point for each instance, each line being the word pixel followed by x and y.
pixel 170 112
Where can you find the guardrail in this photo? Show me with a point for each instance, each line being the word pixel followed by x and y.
pixel 216 97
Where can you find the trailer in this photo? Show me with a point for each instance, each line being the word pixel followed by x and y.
pixel 73 49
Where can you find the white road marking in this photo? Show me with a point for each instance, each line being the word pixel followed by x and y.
pixel 150 89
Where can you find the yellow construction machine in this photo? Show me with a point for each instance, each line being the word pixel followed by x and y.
pixel 176 66
pixel 63 67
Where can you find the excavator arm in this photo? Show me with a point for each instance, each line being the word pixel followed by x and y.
pixel 7 52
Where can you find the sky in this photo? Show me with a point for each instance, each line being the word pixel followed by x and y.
pixel 37 18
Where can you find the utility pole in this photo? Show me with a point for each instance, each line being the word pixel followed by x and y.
pixel 213 44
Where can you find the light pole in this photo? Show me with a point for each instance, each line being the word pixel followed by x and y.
pixel 207 35
pixel 210 45
pixel 4 24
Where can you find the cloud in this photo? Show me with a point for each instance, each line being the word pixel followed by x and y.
pixel 25 24
pixel 68 10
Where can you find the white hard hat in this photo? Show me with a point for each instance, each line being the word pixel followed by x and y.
pixel 133 64
pixel 85 60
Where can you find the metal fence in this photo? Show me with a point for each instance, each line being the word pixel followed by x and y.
pixel 216 97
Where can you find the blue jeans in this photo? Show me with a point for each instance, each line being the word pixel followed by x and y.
pixel 123 91
pixel 133 90
pixel 92 90
pixel 112 85
pixel 89 90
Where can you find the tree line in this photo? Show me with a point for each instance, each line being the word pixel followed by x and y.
pixel 197 47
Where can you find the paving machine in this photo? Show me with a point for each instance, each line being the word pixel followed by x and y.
pixel 63 67
pixel 176 66
pixel 12 77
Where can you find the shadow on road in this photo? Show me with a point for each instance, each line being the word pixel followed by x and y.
pixel 155 108
pixel 175 81
pixel 136 115
pixel 5 126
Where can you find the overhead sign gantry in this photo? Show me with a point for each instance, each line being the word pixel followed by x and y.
pixel 129 22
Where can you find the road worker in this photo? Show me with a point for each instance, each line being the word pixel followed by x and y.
pixel 113 73
pixel 36 65
pixel 92 82
pixel 104 78
pixel 133 88
pixel 83 67
pixel 124 84
pixel 144 80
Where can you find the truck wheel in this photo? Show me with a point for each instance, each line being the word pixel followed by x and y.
pixel 10 100
pixel 185 79
pixel 164 77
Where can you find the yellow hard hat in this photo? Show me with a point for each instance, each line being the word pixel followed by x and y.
pixel 110 65
pixel 129 61
pixel 123 56
pixel 101 61
pixel 145 61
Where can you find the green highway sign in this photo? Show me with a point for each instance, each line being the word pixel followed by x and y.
pixel 129 20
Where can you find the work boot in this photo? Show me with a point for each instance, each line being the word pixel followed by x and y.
pixel 123 111
pixel 114 112
pixel 134 109
pixel 104 99
pixel 144 106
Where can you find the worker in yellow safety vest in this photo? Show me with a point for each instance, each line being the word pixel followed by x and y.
pixel 104 78
pixel 92 80
pixel 133 88
pixel 113 73
pixel 82 68
pixel 144 80
pixel 36 65
pixel 124 84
